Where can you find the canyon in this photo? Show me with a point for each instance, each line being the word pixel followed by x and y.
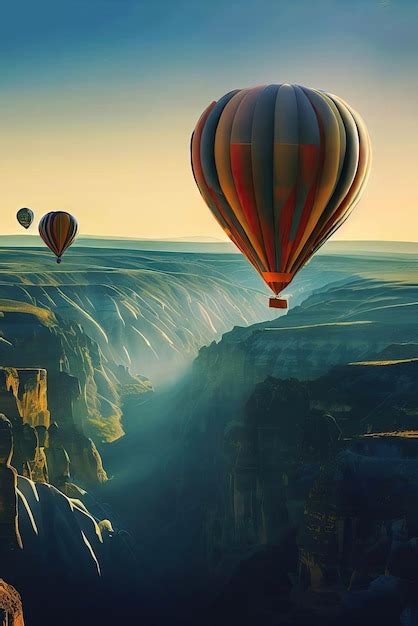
pixel 219 447
pixel 238 466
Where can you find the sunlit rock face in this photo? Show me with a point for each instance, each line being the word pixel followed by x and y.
pixel 24 395
pixel 29 389
pixel 82 388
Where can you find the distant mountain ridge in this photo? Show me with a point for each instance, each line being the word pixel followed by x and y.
pixel 209 245
pixel 180 244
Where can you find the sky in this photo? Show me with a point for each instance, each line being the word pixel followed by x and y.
pixel 98 99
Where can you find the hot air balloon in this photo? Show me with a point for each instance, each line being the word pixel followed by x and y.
pixel 280 167
pixel 58 230
pixel 25 217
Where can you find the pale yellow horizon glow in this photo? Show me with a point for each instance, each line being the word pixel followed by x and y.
pixel 132 178
pixel 98 100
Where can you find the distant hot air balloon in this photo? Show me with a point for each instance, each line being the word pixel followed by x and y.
pixel 58 230
pixel 25 217
pixel 280 167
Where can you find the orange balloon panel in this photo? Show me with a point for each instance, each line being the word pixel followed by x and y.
pixel 280 167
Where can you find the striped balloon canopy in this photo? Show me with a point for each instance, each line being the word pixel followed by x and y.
pixel 58 230
pixel 280 167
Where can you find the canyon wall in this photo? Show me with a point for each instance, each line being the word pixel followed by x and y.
pixel 152 311
pixel 83 388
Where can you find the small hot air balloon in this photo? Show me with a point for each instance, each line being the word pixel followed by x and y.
pixel 25 217
pixel 58 230
pixel 280 167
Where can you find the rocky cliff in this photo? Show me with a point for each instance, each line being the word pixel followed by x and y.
pixel 238 470
pixel 28 387
pixel 57 452
pixel 44 531
pixel 326 469
pixel 351 321
pixel 82 391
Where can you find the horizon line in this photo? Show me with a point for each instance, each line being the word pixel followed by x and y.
pixel 195 239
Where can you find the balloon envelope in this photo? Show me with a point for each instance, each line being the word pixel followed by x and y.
pixel 58 230
pixel 280 167
pixel 25 217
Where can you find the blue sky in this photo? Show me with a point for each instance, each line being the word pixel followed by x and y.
pixel 98 99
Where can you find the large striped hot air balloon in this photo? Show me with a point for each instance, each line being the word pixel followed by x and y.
pixel 280 167
pixel 58 230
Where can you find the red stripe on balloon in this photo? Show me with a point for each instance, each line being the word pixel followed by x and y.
pixel 235 237
pixel 311 156
pixel 285 223
pixel 241 168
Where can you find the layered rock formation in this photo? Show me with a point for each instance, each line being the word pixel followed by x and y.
pixel 83 391
pixel 352 321
pixel 151 311
pixel 265 476
pixel 29 389
pixel 350 491
pixel 38 443
pixel 45 531
pixel 247 466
